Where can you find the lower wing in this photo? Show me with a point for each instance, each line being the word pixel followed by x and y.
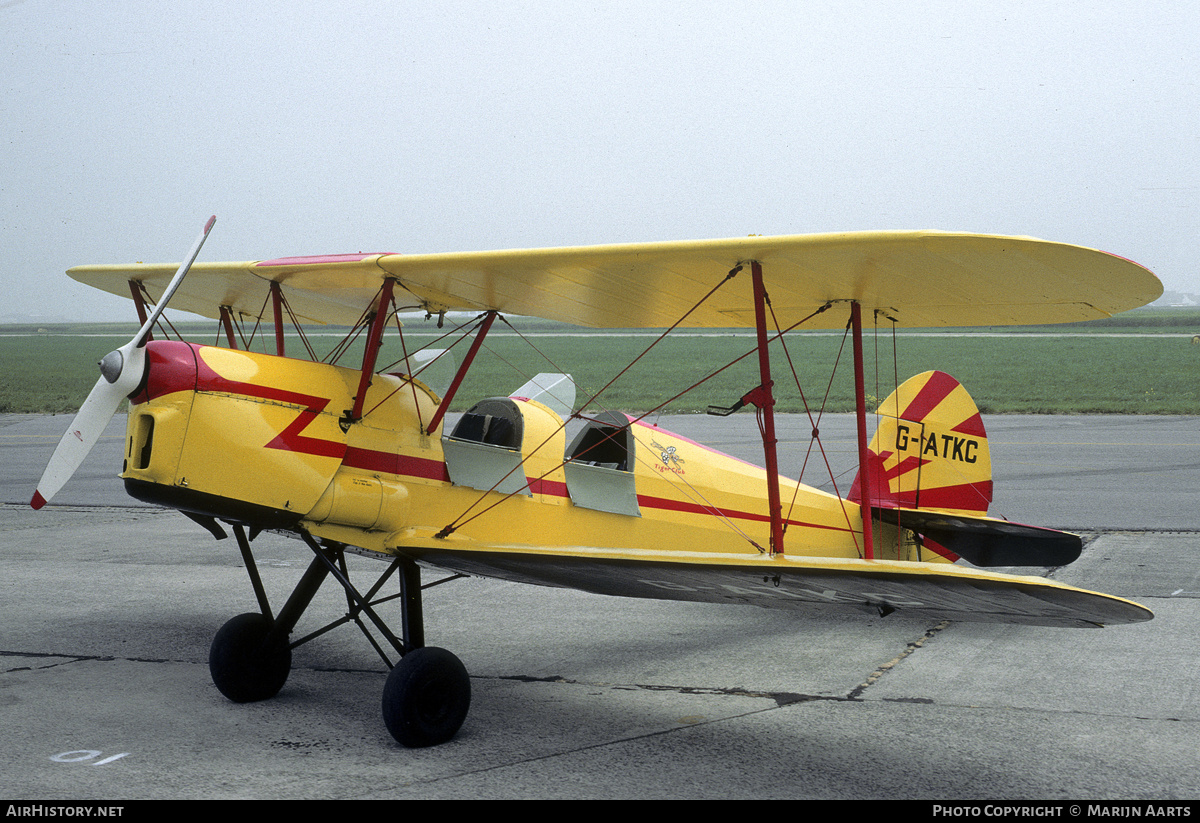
pixel 805 584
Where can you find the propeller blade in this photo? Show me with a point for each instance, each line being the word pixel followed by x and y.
pixel 121 372
pixel 78 440
pixel 140 338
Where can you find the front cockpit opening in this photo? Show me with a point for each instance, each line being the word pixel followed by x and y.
pixel 484 449
pixel 495 422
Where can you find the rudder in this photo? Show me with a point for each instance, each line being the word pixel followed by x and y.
pixel 930 450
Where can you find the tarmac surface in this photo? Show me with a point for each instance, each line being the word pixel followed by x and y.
pixel 109 608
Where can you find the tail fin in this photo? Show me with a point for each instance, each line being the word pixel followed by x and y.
pixel 930 450
pixel 931 473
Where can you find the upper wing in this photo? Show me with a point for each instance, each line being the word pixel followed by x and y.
pixel 335 289
pixel 920 278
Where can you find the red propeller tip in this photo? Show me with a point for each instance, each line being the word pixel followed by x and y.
pixel 38 501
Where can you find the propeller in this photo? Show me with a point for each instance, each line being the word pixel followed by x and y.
pixel 121 372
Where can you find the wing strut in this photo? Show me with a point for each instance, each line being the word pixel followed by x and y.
pixel 277 307
pixel 135 288
pixel 372 352
pixel 227 325
pixel 766 404
pixel 860 406
pixel 462 371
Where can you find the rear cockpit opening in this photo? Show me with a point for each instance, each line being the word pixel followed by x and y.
pixel 606 442
pixel 599 466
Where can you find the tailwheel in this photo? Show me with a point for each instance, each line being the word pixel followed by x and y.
pixel 426 697
pixel 245 665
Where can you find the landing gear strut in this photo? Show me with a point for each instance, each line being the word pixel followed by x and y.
pixel 428 692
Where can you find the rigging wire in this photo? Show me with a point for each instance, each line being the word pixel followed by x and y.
pixel 816 434
pixel 458 521
pixel 476 321
pixel 162 318
pixel 312 355
pixel 732 273
pixel 463 519
pixel 412 383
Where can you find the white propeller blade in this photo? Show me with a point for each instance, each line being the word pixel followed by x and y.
pixel 139 339
pixel 120 373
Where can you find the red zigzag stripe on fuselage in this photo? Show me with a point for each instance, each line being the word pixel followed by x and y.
pixel 292 439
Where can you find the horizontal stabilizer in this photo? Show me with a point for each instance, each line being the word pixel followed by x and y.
pixel 987 541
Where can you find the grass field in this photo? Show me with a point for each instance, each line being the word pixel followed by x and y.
pixel 1139 363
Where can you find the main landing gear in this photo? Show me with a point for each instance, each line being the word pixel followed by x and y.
pixel 427 693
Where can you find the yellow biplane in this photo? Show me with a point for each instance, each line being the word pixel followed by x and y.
pixel 357 459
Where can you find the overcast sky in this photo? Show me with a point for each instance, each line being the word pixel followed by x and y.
pixel 320 128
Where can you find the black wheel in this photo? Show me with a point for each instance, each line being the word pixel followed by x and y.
pixel 241 666
pixel 426 697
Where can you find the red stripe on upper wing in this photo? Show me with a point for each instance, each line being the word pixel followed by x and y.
pixel 323 258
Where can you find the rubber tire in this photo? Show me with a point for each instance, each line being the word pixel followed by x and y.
pixel 426 698
pixel 241 668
